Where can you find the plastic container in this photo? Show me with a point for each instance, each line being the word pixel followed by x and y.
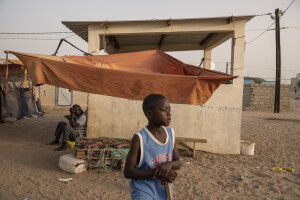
pixel 70 144
pixel 69 163
pixel 247 147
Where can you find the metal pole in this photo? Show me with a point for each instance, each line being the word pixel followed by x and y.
pixel 60 42
pixel 278 63
pixel 226 67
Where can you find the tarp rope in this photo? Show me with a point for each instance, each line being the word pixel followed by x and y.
pixel 25 78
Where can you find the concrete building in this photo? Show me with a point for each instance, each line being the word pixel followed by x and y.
pixel 295 88
pixel 218 121
pixel 56 98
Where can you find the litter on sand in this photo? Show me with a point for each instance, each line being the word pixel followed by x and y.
pixel 65 180
pixel 244 176
pixel 282 169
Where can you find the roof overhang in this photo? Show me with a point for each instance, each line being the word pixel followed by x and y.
pixel 166 35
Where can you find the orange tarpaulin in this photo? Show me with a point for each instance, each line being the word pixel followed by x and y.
pixel 12 70
pixel 15 67
pixel 127 75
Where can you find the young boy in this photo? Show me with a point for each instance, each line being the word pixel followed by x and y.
pixel 153 157
pixel 75 128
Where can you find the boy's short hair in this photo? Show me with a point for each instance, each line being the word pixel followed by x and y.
pixel 150 101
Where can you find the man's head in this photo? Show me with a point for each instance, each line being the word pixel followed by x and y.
pixel 157 109
pixel 77 110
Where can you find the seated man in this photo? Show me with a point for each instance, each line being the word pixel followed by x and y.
pixel 75 128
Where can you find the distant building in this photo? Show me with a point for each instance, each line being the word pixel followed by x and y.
pixel 268 82
pixel 295 88
pixel 248 81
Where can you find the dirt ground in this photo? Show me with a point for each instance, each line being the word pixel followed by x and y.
pixel 29 168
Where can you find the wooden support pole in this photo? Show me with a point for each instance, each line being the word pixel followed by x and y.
pixel 180 141
pixel 169 191
pixel 278 63
pixel 194 150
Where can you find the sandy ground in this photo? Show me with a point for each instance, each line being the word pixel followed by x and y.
pixel 29 168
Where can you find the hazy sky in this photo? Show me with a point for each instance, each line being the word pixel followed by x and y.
pixel 46 16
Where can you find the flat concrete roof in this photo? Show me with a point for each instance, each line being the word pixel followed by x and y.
pixel 163 34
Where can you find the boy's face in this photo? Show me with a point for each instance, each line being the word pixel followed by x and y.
pixel 161 113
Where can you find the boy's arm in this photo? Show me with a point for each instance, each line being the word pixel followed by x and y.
pixel 130 170
pixel 176 164
pixel 68 117
pixel 165 168
pixel 73 122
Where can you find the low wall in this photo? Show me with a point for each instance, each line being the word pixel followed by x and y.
pixel 218 121
pixel 260 97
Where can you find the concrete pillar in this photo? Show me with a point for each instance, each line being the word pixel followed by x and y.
pixel 94 41
pixel 93 48
pixel 238 52
pixel 207 59
pixel 237 66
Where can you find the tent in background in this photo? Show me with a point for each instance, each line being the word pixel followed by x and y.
pixel 127 75
pixel 16 94
pixel 15 70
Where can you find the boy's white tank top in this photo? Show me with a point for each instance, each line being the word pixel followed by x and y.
pixel 153 153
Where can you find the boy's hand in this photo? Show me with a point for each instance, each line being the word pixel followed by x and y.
pixel 155 170
pixel 171 176
pixel 164 169
pixel 72 110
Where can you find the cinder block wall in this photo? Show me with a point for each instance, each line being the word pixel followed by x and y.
pixel 247 95
pixel 258 97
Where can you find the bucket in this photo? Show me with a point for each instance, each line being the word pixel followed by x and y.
pixel 69 163
pixel 247 147
pixel 70 144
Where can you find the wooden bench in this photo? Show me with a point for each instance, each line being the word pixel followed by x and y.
pixel 180 141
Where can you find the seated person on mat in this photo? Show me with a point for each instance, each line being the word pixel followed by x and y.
pixel 75 128
pixel 153 157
